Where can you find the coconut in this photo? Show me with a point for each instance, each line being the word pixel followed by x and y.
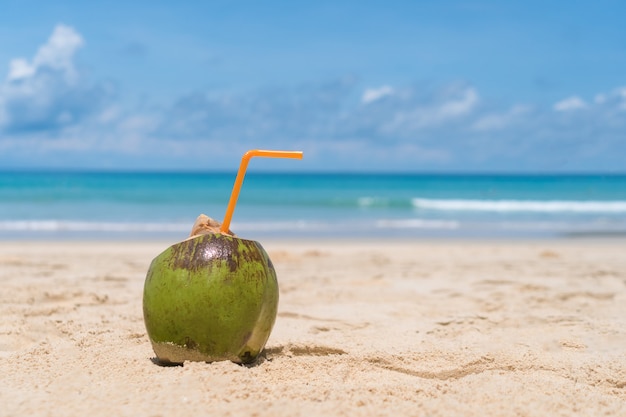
pixel 211 297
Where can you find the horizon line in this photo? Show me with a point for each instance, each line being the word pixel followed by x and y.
pixel 254 171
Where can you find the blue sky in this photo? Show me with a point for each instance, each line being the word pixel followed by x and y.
pixel 463 86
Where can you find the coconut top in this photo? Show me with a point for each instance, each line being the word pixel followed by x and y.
pixel 205 225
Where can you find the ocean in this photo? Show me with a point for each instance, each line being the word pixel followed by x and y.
pixel 116 205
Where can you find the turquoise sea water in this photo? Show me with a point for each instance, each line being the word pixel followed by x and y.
pixel 164 205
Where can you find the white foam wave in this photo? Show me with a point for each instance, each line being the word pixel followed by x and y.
pixel 556 206
pixel 48 226
pixel 372 202
pixel 416 224
pixel 299 225
pixel 83 226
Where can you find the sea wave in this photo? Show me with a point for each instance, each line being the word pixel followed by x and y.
pixel 85 226
pixel 303 227
pixel 139 227
pixel 372 202
pixel 406 226
pixel 417 224
pixel 555 206
pixel 380 202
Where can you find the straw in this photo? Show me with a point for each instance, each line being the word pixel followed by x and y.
pixel 242 173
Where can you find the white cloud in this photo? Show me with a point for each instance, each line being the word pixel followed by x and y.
pixel 46 91
pixel 20 68
pixel 56 54
pixel 371 95
pixel 570 103
pixel 496 121
pixel 620 93
pixel 615 99
pixel 459 106
pixel 138 123
pixel 600 98
pixel 462 103
pixel 46 105
pixel 109 114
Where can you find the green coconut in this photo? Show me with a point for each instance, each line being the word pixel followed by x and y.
pixel 209 298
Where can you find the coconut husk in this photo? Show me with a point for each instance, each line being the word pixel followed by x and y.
pixel 205 225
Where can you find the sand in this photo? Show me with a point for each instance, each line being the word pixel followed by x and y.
pixel 433 328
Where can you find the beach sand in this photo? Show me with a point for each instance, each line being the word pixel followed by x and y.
pixel 433 328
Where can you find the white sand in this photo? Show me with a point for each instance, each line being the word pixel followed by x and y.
pixel 395 328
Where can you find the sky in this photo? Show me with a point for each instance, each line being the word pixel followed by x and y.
pixel 383 86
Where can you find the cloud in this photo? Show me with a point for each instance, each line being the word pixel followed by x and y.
pixel 20 68
pixel 373 94
pixel 305 111
pixel 463 104
pixel 615 98
pixel 448 106
pixel 49 108
pixel 321 112
pixel 56 54
pixel 444 127
pixel 498 121
pixel 570 103
pixel 46 93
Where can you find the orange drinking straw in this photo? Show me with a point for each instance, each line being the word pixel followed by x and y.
pixel 242 173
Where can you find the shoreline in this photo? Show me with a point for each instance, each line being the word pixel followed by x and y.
pixel 586 238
